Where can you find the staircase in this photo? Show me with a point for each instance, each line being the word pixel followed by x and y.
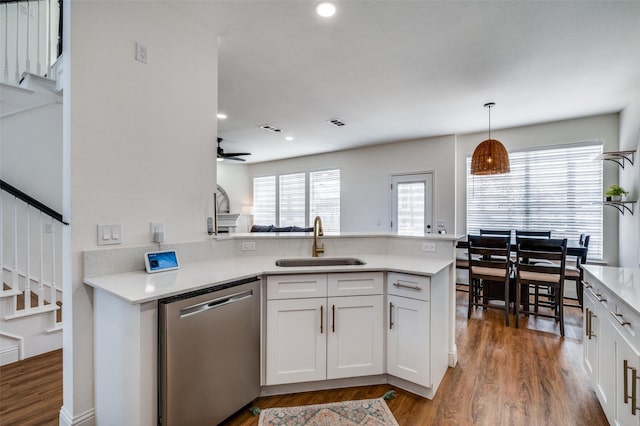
pixel 30 299
pixel 30 179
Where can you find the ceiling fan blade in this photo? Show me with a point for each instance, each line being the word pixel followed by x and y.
pixel 235 154
pixel 230 155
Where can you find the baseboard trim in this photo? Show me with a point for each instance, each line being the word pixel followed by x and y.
pixel 88 418
pixel 9 355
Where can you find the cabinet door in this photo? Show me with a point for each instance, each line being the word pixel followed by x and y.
pixel 354 336
pixel 627 374
pixel 590 342
pixel 408 340
pixel 296 340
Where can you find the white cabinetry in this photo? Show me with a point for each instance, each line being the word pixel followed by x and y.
pixel 323 326
pixel 415 341
pixel 611 355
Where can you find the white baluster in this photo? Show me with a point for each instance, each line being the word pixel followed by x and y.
pixel 27 280
pixel 27 65
pixel 17 43
pixel 47 6
pixel 14 267
pixel 41 285
pixel 54 295
pixel 38 56
pixel 5 72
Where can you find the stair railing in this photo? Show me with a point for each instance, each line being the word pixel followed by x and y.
pixel 30 37
pixel 30 255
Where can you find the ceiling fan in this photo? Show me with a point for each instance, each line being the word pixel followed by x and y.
pixel 231 155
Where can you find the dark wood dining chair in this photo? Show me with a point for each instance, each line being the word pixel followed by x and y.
pixel 546 280
pixel 576 273
pixel 533 234
pixel 489 265
pixel 496 232
pixel 462 263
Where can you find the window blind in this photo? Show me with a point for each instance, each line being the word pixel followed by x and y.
pixel 324 198
pixel 292 200
pixel 264 200
pixel 557 189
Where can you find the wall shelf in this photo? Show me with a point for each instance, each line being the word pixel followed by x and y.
pixel 618 157
pixel 622 206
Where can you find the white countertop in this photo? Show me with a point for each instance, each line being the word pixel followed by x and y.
pixel 140 287
pixel 623 282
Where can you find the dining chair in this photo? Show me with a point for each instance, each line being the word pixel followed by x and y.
pixel 533 234
pixel 546 280
pixel 496 232
pixel 576 273
pixel 489 266
pixel 462 263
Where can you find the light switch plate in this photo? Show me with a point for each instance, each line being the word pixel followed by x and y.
pixel 109 234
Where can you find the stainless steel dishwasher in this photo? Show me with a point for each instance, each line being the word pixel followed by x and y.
pixel 209 353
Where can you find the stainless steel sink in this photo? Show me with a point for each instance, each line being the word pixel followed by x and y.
pixel 319 261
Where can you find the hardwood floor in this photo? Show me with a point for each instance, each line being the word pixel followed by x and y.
pixel 31 390
pixel 504 376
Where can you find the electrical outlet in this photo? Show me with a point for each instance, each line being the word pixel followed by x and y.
pixel 248 245
pixel 141 53
pixel 156 228
pixel 429 247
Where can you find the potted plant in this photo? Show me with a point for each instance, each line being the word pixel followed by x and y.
pixel 615 193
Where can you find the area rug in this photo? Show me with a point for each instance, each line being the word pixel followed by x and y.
pixel 366 412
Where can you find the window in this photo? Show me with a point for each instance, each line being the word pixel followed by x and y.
pixel 292 200
pixel 295 203
pixel 556 188
pixel 324 198
pixel 264 200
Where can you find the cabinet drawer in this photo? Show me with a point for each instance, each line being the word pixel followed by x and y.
pixel 626 322
pixel 296 286
pixel 413 286
pixel 355 284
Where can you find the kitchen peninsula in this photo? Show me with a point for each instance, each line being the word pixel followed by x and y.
pixel 126 305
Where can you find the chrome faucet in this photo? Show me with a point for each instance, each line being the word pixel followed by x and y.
pixel 317 232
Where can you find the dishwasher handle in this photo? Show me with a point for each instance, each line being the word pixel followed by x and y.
pixel 215 303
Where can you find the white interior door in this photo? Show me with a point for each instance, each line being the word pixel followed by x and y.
pixel 412 203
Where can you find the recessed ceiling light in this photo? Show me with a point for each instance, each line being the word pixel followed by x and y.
pixel 289 138
pixel 221 115
pixel 325 9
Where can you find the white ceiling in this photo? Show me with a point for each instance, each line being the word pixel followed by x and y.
pixel 396 70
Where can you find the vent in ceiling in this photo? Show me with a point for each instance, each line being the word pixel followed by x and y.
pixel 270 128
pixel 336 122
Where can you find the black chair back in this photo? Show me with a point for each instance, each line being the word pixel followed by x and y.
pixel 533 234
pixel 496 232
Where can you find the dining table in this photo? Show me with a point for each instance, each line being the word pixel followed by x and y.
pixel 574 248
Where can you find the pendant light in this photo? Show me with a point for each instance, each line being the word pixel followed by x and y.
pixel 490 157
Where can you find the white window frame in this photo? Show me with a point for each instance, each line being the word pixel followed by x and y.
pixel 308 210
pixel 508 209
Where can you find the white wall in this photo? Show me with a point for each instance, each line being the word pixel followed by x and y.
pixel 234 179
pixel 142 140
pixel 629 231
pixel 365 198
pixel 31 157
pixel 603 127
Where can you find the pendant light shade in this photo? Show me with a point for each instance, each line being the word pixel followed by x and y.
pixel 490 157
